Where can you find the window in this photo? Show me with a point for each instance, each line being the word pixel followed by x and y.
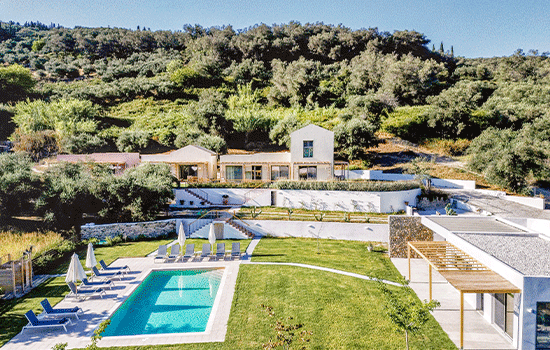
pixel 543 326
pixel 308 149
pixel 307 172
pixel 254 172
pixel 188 171
pixel 279 172
pixel 233 173
pixel 504 312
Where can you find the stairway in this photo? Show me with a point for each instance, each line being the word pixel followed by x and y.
pixel 201 198
pixel 240 228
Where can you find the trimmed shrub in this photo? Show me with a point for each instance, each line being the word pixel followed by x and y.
pixel 367 186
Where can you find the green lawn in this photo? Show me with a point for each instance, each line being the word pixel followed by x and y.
pixel 351 256
pixel 342 312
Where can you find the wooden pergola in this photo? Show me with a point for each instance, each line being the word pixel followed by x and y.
pixel 462 271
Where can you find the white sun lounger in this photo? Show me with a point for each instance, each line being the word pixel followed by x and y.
pixel 161 253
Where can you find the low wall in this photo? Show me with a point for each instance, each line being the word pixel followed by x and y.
pixel 403 229
pixel 382 176
pixel 130 230
pixel 374 202
pixel 534 202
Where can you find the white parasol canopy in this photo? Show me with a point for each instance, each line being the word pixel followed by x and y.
pixel 212 236
pixel 90 257
pixel 181 236
pixel 75 271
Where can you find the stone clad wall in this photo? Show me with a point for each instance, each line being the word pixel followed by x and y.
pixel 130 230
pixel 403 229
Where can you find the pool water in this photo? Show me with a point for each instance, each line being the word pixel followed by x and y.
pixel 175 301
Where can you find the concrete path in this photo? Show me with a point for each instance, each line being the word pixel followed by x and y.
pixel 478 333
pixel 327 230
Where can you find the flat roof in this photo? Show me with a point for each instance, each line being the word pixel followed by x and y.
pixel 528 254
pixel 473 224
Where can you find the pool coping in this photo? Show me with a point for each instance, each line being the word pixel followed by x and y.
pixel 216 328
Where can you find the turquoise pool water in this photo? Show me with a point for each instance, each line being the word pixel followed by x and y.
pixel 175 301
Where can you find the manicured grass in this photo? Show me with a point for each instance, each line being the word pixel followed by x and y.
pixel 342 312
pixel 351 256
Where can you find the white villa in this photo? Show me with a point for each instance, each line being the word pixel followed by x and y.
pixel 311 157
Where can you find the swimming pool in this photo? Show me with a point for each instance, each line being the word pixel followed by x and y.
pixel 172 301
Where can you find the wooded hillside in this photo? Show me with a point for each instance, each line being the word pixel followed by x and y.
pixel 85 89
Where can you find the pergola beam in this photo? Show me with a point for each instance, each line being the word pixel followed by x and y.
pixel 462 271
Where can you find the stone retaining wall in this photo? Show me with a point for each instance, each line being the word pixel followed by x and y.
pixel 130 230
pixel 403 229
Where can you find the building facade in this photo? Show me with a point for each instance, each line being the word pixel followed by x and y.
pixel 311 157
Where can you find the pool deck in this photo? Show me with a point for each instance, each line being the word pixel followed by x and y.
pixel 97 309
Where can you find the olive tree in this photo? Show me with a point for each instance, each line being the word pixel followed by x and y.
pixel 353 136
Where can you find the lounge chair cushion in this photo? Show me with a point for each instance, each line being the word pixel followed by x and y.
pixel 50 310
pixel 35 322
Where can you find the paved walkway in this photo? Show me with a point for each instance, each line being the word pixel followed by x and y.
pixel 478 333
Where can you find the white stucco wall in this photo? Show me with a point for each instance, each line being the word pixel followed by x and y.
pixel 534 202
pixel 323 144
pixel 378 202
pixel 535 289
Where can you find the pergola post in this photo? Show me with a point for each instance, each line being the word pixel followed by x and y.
pixel 461 320
pixel 409 259
pixel 430 279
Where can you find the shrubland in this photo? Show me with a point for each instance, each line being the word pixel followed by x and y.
pixel 81 89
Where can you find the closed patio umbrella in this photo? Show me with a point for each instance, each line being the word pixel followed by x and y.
pixel 75 271
pixel 212 237
pixel 181 236
pixel 90 257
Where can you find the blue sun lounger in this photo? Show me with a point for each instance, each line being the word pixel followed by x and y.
pixel 50 311
pixel 34 322
pixel 88 284
pixel 124 269
pixel 104 275
pixel 84 293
